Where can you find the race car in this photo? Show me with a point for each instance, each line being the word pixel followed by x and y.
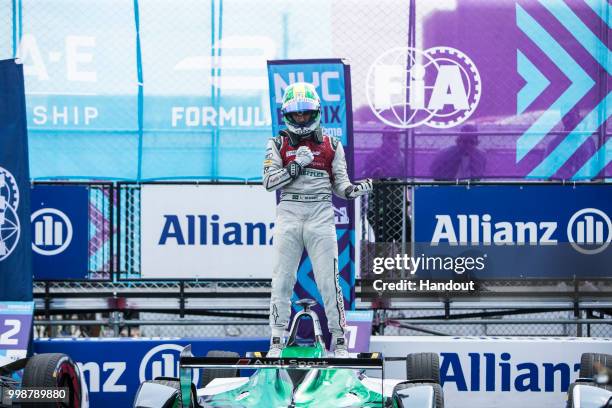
pixel 593 388
pixel 304 376
pixel 56 377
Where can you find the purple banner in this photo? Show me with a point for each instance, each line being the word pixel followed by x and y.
pixel 332 79
pixel 15 329
pixel 359 330
pixel 512 89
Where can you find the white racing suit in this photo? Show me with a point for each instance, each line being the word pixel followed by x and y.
pixel 305 219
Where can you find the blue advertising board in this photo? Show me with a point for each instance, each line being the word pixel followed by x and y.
pixel 539 231
pixel 114 368
pixel 15 253
pixel 331 78
pixel 60 217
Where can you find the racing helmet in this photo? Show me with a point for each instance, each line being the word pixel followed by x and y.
pixel 301 97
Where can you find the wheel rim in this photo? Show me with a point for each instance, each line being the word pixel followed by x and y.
pixel 67 377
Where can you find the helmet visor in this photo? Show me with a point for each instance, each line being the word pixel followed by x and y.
pixel 300 106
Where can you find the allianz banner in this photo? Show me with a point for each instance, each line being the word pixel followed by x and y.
pixel 495 372
pixel 15 252
pixel 514 232
pixel 206 232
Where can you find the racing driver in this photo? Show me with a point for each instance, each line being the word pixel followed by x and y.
pixel 306 165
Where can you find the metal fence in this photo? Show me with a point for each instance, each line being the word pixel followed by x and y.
pixel 589 322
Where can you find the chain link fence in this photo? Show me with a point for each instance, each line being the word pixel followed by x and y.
pixel 227 327
pixel 129 227
pixel 102 236
pixel 403 323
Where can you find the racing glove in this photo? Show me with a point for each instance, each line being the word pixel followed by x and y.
pixel 359 189
pixel 303 157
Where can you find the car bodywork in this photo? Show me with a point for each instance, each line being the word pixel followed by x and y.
pixel 304 376
pixel 593 388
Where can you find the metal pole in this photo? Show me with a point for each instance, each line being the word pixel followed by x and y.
pixel 508 321
pixel 404 226
pixel 116 322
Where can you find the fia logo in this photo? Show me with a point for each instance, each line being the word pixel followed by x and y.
pixel 439 87
pixel 589 231
pixel 9 219
pixel 52 231
pixel 163 361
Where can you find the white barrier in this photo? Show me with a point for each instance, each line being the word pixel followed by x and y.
pixel 206 232
pixel 481 372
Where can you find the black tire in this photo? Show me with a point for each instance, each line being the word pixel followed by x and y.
pixel 587 360
pixel 176 384
pixel 210 374
pixel 423 367
pixel 438 393
pixel 53 370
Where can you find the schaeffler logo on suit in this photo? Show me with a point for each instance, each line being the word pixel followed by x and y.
pixel 9 220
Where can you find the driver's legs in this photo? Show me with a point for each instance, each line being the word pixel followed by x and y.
pixel 321 244
pixel 288 248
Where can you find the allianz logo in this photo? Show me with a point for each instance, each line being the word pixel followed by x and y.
pixel 52 231
pixel 202 229
pixel 589 231
pixel 500 372
pixel 163 360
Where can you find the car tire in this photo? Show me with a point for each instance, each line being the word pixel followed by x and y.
pixel 589 359
pixel 423 367
pixel 52 370
pixel 438 393
pixel 210 374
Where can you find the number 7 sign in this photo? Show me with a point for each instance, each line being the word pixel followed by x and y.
pixel 358 330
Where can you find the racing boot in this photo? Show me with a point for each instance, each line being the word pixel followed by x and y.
pixel 276 347
pixel 340 348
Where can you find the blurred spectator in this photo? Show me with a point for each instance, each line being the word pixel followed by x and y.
pixel 390 157
pixel 464 160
